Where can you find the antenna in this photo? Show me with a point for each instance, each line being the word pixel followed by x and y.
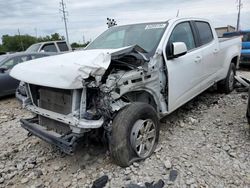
pixel 239 6
pixel 64 12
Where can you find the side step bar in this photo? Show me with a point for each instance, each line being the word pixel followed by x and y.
pixel 66 143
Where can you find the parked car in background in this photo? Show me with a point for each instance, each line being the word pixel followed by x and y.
pixel 8 84
pixel 50 46
pixel 245 51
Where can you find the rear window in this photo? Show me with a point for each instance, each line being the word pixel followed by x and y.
pixel 205 32
pixel 63 46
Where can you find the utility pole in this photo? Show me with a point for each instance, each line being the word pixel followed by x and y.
pixel 238 19
pixel 20 39
pixel 35 32
pixel 64 12
pixel 83 39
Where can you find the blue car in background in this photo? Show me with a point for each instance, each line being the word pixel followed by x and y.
pixel 245 52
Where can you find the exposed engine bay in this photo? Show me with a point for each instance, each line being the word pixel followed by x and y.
pixel 129 77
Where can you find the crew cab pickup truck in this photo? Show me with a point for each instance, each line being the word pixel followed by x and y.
pixel 124 81
pixel 50 46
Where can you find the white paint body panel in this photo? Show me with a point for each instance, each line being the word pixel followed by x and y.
pixel 65 71
pixel 199 69
pixel 187 76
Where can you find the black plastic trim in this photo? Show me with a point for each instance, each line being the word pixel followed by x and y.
pixel 66 143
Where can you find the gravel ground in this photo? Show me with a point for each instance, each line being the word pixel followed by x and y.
pixel 203 144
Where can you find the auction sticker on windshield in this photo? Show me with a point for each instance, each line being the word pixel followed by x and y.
pixel 155 26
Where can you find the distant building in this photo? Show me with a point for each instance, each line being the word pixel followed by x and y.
pixel 221 30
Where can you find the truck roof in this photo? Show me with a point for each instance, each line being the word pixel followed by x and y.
pixel 171 20
pixel 50 41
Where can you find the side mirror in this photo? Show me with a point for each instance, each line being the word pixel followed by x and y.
pixel 179 49
pixel 3 69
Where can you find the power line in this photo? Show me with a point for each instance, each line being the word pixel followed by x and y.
pixel 64 12
pixel 240 5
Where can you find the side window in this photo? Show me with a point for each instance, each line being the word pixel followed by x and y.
pixel 183 33
pixel 63 46
pixel 9 64
pixel 25 58
pixel 49 48
pixel 35 56
pixel 205 32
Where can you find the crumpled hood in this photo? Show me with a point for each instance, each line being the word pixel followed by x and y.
pixel 65 71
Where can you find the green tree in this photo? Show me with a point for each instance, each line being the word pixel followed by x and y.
pixel 77 45
pixel 18 43
pixel 55 36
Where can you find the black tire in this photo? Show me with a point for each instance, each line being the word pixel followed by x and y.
pixel 126 120
pixel 227 85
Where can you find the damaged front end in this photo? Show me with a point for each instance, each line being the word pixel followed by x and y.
pixel 63 116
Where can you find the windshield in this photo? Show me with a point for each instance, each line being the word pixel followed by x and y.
pixel 33 48
pixel 146 35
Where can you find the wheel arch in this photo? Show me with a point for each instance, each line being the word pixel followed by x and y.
pixel 235 61
pixel 142 96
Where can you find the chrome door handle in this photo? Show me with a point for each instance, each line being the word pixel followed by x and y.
pixel 215 51
pixel 198 59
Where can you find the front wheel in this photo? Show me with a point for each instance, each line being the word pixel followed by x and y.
pixel 135 133
pixel 227 85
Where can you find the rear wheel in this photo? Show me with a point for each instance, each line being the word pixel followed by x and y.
pixel 227 85
pixel 135 134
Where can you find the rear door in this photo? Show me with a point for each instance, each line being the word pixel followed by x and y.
pixel 210 51
pixel 185 73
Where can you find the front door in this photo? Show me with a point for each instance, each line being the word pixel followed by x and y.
pixel 185 73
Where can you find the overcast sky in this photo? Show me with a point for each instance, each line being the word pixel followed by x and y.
pixel 88 18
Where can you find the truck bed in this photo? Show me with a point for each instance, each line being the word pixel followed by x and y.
pixel 223 39
pixel 229 42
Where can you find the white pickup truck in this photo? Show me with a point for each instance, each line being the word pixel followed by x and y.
pixel 125 80
pixel 50 46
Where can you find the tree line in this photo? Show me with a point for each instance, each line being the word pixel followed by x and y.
pixel 19 43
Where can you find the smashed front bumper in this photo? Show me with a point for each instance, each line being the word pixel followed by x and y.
pixel 77 125
pixel 72 121
pixel 66 143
